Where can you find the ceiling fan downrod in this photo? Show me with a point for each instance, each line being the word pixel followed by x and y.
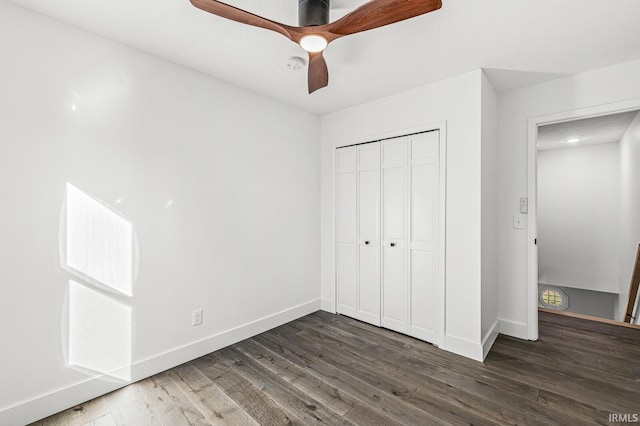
pixel 313 12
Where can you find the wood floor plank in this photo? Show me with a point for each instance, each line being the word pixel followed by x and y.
pixel 153 401
pixel 362 414
pixel 312 385
pixel 86 412
pixel 251 398
pixel 216 407
pixel 555 381
pixel 623 330
pixel 404 387
pixel 574 354
pixel 476 388
pixel 449 399
pixel 330 369
pixel 576 366
pixel 308 409
pixel 58 419
pixel 590 341
pixel 106 420
pixel 386 405
pixel 475 378
pixel 582 411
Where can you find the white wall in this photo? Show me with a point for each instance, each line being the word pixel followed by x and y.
pixel 629 208
pixel 588 302
pixel 239 238
pixel 456 101
pixel 489 157
pixel 608 85
pixel 579 217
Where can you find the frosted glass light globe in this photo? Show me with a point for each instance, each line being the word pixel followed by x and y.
pixel 313 43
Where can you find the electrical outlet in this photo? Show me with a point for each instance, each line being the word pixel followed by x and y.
pixel 518 222
pixel 196 318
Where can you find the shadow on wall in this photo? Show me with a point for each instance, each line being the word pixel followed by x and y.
pixel 97 248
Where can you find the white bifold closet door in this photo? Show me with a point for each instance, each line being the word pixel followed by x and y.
pixel 387 196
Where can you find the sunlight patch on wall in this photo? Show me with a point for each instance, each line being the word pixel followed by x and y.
pixel 100 336
pixel 99 242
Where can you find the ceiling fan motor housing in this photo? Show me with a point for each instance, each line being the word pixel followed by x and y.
pixel 313 12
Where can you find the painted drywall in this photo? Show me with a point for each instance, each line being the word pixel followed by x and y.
pixel 220 187
pixel 608 85
pixel 629 209
pixel 455 101
pixel 579 217
pixel 489 212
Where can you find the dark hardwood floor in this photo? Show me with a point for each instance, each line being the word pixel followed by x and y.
pixel 329 369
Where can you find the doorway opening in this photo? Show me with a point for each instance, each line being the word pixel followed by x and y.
pixel 584 193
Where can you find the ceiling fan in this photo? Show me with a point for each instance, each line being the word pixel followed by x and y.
pixel 315 32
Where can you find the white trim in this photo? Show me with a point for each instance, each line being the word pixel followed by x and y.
pixel 440 126
pixel 463 347
pixel 515 329
pixel 490 338
pixel 442 234
pixel 532 161
pixel 45 405
pixel 532 230
pixel 327 305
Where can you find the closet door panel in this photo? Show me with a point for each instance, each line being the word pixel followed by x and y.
pixel 423 235
pixel 346 206
pixel 369 205
pixel 424 179
pixel 346 232
pixel 422 294
pixel 369 233
pixel 394 182
pixel 369 289
pixel 346 277
pixel 395 291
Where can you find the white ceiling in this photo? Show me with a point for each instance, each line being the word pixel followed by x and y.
pixel 540 39
pixel 588 131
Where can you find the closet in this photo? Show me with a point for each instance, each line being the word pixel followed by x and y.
pixel 388 233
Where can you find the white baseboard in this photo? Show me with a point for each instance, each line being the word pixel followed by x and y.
pixel 62 399
pixel 490 338
pixel 327 305
pixel 463 347
pixel 514 329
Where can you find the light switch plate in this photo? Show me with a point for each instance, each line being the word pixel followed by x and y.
pixel 196 317
pixel 518 222
pixel 524 205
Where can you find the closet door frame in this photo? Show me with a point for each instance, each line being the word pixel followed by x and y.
pixel 441 126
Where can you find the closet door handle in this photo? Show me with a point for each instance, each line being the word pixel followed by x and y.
pixel 392 244
pixel 366 242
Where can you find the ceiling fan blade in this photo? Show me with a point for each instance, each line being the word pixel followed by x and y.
pixel 378 13
pixel 318 72
pixel 233 13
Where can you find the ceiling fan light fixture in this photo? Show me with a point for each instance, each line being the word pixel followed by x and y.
pixel 314 31
pixel 313 43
